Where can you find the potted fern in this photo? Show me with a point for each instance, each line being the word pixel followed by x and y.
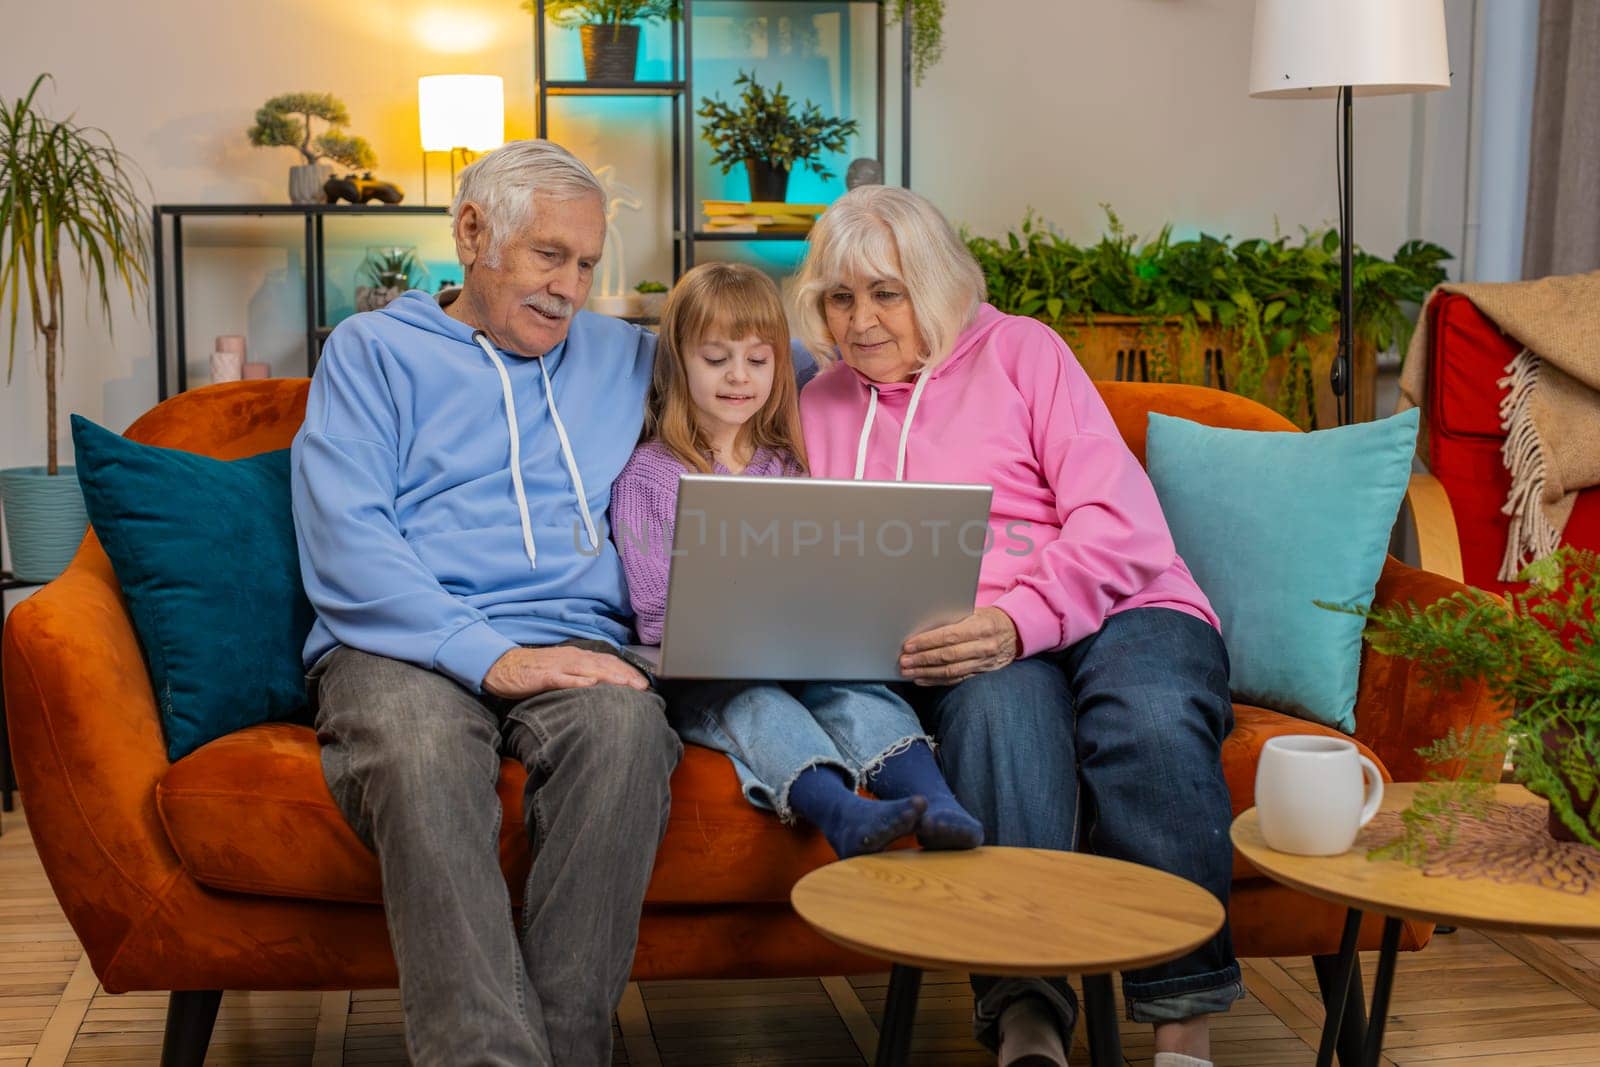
pixel 1539 652
pixel 62 186
pixel 768 136
pixel 285 121
pixel 609 30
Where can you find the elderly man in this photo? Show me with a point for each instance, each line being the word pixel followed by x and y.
pixel 451 484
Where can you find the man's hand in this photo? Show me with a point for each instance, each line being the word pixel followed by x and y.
pixel 986 640
pixel 524 672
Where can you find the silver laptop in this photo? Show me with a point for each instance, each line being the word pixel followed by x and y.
pixel 813 579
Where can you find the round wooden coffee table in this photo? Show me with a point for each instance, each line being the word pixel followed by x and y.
pixel 1484 897
pixel 1005 911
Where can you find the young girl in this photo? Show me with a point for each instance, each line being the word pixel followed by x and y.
pixel 724 401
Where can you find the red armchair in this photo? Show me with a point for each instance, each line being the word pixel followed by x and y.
pixel 1467 356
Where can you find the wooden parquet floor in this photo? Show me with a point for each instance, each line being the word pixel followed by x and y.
pixel 1466 1001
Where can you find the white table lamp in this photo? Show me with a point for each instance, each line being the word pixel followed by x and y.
pixel 459 113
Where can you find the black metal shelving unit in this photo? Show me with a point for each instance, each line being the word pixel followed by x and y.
pixel 316 269
pixel 679 88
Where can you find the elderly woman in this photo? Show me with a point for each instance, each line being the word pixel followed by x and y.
pixel 1084 703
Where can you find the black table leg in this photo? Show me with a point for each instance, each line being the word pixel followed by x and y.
pixel 899 1015
pixel 1100 1011
pixel 1381 986
pixel 1341 989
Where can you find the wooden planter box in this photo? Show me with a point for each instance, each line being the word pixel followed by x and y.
pixel 1127 349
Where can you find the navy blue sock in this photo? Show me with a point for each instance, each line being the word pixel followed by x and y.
pixel 914 772
pixel 852 824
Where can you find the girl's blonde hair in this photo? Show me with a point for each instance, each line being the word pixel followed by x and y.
pixel 731 301
pixel 885 232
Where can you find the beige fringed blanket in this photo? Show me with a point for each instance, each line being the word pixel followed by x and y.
pixel 1551 413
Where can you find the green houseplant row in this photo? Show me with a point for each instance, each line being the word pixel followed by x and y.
pixel 1272 298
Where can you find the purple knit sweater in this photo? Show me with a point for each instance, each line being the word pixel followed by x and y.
pixel 644 504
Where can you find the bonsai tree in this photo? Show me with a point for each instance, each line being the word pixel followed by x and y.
pixel 765 128
pixel 63 186
pixel 286 121
pixel 1538 651
pixel 614 13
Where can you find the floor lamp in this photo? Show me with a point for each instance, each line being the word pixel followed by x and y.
pixel 1345 48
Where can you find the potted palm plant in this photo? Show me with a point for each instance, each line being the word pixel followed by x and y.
pixel 769 137
pixel 609 30
pixel 62 186
pixel 1539 652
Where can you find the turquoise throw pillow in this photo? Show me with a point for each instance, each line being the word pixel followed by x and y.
pixel 1271 522
pixel 205 553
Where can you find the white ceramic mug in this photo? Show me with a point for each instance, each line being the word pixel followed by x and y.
pixel 1310 795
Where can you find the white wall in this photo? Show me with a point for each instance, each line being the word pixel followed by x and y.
pixel 1055 104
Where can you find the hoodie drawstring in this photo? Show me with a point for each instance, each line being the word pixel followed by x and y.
pixel 515 436
pixel 905 430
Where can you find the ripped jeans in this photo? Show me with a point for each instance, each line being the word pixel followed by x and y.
pixel 772 731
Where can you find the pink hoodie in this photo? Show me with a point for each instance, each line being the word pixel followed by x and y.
pixel 1076 532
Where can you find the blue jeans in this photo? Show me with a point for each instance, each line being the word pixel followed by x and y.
pixel 774 731
pixel 1112 746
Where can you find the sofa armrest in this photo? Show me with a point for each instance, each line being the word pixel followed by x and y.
pixel 1438 541
pixel 87 745
pixel 1396 711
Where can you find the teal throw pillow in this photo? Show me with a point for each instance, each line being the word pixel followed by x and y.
pixel 1271 522
pixel 204 550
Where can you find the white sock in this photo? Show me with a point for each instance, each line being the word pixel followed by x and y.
pixel 1178 1059
pixel 1030 1028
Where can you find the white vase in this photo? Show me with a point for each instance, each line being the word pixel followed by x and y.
pixel 305 183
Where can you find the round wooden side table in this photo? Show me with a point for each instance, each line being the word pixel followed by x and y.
pixel 1498 889
pixel 1005 911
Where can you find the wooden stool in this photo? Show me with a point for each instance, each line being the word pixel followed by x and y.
pixel 1005 911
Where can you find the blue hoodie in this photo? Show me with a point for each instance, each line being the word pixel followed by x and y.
pixel 416 542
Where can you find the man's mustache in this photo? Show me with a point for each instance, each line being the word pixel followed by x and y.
pixel 550 305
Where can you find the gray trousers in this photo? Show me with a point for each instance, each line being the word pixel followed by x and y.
pixel 412 760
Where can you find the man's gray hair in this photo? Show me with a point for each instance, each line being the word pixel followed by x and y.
pixel 504 183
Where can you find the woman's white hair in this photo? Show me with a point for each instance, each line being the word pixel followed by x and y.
pixel 883 232
pixel 504 183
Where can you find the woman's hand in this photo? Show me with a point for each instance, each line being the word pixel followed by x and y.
pixel 986 640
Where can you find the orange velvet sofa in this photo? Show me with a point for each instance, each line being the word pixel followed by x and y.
pixel 233 869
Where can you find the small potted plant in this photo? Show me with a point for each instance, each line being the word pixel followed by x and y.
pixel 285 121
pixel 1539 652
pixel 609 30
pixel 61 186
pixel 652 297
pixel 767 135
pixel 386 273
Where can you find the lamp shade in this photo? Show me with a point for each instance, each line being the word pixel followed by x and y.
pixel 461 111
pixel 1310 48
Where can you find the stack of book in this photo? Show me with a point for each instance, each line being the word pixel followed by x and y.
pixel 743 216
